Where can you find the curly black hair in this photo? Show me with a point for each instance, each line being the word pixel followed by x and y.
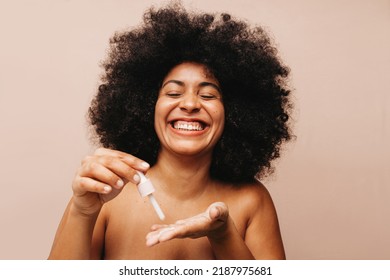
pixel 244 61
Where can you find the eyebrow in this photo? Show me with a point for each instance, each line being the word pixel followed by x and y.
pixel 202 84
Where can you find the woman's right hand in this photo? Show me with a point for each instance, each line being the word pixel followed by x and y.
pixel 101 177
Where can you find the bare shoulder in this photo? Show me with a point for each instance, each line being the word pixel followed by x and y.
pixel 252 203
pixel 260 203
pixel 256 192
pixel 254 197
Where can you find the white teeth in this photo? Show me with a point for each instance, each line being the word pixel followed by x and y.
pixel 189 126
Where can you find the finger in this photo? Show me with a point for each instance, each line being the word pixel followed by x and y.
pixel 120 168
pixel 214 213
pixel 180 222
pixel 157 227
pixel 164 234
pixel 83 185
pixel 99 172
pixel 152 239
pixel 218 211
pixel 131 160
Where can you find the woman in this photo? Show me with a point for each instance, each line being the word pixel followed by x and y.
pixel 204 102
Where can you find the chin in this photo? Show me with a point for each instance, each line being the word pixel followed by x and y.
pixel 190 150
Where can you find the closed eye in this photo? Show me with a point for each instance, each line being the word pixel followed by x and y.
pixel 207 96
pixel 173 94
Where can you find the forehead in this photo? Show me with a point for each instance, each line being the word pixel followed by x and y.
pixel 191 71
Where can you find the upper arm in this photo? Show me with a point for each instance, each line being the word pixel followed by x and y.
pixel 98 237
pixel 263 236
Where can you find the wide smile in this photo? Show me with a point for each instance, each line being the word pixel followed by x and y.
pixel 189 126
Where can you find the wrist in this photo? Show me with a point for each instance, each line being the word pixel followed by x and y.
pixel 85 212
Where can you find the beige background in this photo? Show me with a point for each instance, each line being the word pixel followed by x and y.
pixel 332 186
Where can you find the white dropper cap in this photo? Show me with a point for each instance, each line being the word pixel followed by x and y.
pixel 145 188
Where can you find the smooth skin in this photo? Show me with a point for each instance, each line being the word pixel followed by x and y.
pixel 205 219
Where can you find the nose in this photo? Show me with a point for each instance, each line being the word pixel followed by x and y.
pixel 190 102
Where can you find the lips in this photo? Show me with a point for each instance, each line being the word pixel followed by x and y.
pixel 193 125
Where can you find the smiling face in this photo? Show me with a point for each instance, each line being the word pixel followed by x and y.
pixel 189 113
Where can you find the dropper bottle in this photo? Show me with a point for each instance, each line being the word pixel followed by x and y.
pixel 146 188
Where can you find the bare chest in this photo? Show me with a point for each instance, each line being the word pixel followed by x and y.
pixel 130 220
pixel 126 240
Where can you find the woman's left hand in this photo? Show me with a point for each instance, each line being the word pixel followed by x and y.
pixel 211 223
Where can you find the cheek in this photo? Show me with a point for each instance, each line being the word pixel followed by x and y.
pixel 218 114
pixel 162 110
pixel 158 116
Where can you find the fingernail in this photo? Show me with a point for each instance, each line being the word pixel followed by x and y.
pixel 120 183
pixel 145 164
pixel 107 189
pixel 136 178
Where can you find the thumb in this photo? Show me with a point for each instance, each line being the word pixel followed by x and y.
pixel 218 211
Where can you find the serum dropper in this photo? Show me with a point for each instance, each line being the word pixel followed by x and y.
pixel 146 188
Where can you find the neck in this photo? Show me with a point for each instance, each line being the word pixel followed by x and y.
pixel 182 177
